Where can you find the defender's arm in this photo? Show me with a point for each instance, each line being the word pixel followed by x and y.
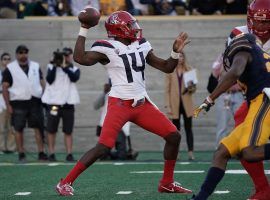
pixel 229 79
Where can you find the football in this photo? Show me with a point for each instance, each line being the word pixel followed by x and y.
pixel 89 17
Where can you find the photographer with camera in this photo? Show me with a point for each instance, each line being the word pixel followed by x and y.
pixel 61 95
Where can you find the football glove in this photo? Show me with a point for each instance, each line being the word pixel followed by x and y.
pixel 206 105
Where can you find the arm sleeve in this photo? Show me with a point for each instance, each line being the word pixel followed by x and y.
pixel 73 73
pixel 103 46
pixel 145 45
pixel 7 77
pixel 51 74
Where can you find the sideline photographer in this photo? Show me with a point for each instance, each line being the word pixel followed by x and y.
pixel 61 96
pixel 22 89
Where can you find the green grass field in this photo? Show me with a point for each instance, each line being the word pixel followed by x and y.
pixel 104 180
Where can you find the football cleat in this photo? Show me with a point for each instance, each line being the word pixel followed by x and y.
pixel 64 189
pixel 173 187
pixel 261 195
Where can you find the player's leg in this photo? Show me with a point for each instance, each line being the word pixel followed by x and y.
pixel 223 117
pixel 254 169
pixel 68 124
pixel 151 119
pixel 257 124
pixel 120 152
pixel 117 115
pixel 18 122
pixel 53 119
pixel 253 146
pixel 227 148
pixel 189 132
pixel 36 121
pixel 215 173
pixel 2 131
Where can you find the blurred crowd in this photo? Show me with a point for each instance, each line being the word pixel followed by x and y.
pixel 23 8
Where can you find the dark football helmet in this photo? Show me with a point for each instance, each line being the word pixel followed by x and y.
pixel 123 25
pixel 258 18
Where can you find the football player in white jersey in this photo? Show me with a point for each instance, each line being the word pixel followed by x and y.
pixel 258 23
pixel 125 56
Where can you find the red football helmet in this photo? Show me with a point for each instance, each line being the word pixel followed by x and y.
pixel 123 25
pixel 258 18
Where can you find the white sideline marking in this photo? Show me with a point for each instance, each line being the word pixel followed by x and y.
pixel 97 163
pixel 22 193
pixel 119 163
pixel 222 192
pixel 161 172
pixel 4 164
pixel 124 192
pixel 53 164
pixel 234 171
pixel 240 171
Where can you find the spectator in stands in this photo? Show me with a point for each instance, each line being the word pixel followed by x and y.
pixel 78 5
pixel 61 96
pixel 121 152
pixel 22 88
pixel 35 8
pixel 206 7
pixel 109 6
pixel 134 6
pixel 236 6
pixel 227 103
pixel 178 100
pixel 164 7
pixel 59 8
pixel 7 138
pixel 8 9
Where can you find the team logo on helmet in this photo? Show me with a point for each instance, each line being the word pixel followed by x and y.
pixel 114 19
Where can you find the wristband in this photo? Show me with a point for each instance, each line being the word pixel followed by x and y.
pixel 83 32
pixel 174 55
pixel 208 99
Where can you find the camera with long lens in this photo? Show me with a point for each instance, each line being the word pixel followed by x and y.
pixel 58 58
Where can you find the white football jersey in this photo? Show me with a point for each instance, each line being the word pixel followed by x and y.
pixel 126 67
pixel 244 29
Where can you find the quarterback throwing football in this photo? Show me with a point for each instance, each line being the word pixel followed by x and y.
pixel 124 56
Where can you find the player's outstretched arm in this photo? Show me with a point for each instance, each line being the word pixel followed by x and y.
pixel 83 57
pixel 169 65
pixel 89 17
pixel 237 68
